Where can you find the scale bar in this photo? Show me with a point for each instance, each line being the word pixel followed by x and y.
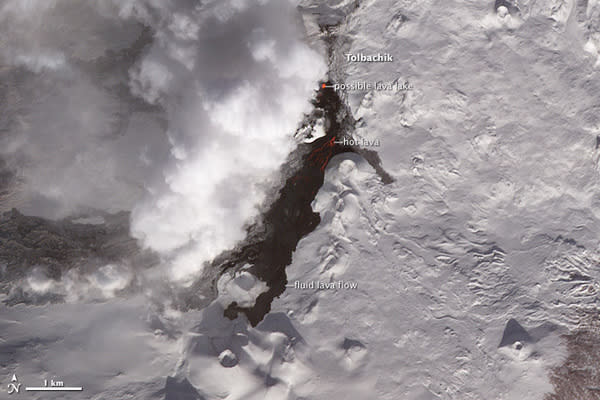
pixel 53 389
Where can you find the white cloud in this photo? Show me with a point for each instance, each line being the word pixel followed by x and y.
pixel 232 78
pixel 149 80
pixel 71 133
pixel 232 113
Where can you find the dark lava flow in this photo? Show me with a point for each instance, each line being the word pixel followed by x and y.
pixel 291 217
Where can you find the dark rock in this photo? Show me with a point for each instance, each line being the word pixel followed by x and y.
pixel 180 389
pixel 514 332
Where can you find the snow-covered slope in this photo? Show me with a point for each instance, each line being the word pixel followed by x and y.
pixel 492 215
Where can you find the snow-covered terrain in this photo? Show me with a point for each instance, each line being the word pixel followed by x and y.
pixel 454 281
pixel 492 215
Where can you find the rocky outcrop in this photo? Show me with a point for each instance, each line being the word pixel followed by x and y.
pixel 27 242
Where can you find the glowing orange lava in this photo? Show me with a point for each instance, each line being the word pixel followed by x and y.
pixel 322 154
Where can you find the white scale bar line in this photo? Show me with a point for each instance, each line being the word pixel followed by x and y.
pixel 53 389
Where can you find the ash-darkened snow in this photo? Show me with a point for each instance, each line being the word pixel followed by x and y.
pixel 299 199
